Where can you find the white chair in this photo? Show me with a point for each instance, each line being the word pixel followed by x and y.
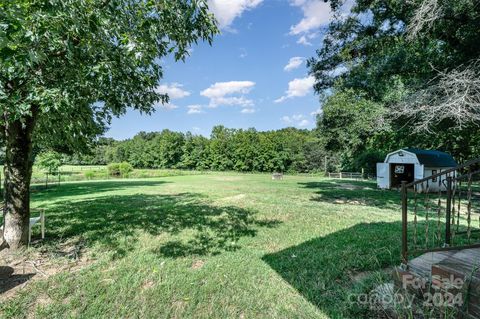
pixel 34 221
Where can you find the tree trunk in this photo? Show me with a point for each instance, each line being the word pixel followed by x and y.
pixel 18 173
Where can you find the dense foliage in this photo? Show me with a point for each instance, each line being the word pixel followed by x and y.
pixel 289 149
pixel 398 74
pixel 49 162
pixel 119 169
pixel 71 65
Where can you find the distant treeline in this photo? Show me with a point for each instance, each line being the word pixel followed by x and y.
pixel 285 150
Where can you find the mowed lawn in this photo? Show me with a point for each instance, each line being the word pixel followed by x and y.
pixel 211 246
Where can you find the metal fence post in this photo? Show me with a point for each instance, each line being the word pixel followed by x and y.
pixel 404 223
pixel 448 234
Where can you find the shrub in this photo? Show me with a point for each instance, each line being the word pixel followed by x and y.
pixel 125 169
pixel 49 162
pixel 89 174
pixel 120 169
pixel 114 169
pixel 368 160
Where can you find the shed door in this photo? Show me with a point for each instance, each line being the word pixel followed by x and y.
pixel 383 175
pixel 418 171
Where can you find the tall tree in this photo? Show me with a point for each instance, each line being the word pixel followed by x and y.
pixel 416 61
pixel 68 66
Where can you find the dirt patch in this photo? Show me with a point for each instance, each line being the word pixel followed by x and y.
pixel 148 284
pixel 349 201
pixel 178 307
pixel 353 187
pixel 43 300
pixel 197 264
pixel 21 269
pixel 359 276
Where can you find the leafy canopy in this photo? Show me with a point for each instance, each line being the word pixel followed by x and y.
pixel 374 62
pixel 73 64
pixel 49 162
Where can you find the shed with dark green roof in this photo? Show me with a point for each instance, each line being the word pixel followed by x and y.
pixel 410 164
pixel 431 158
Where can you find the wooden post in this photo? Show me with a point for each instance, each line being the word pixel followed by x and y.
pixel 404 223
pixel 448 234
pixel 42 221
pixel 340 175
pixel 326 165
pixel 46 180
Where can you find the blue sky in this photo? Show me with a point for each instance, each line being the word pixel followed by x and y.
pixel 254 74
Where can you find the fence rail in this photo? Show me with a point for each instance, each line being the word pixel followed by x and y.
pixel 348 175
pixel 38 182
pixel 442 211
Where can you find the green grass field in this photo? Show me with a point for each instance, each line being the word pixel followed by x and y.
pixel 210 246
pixel 75 173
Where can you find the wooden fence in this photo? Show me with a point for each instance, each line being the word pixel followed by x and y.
pixel 348 175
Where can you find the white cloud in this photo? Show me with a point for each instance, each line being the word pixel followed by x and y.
pixel 315 14
pixel 298 120
pixel 220 89
pixel 297 88
pixel 317 112
pixel 248 111
pixel 303 40
pixel 221 93
pixel 195 109
pixel 226 11
pixel 286 119
pixel 293 63
pixel 306 38
pixel 241 101
pixel 304 123
pixel 174 90
pixel 168 106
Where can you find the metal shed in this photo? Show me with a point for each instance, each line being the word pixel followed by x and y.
pixel 412 164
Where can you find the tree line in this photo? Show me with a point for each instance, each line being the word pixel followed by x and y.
pixel 244 150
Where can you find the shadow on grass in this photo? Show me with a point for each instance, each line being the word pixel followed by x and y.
pixel 353 192
pixel 322 269
pixel 116 222
pixel 55 192
pixel 8 280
